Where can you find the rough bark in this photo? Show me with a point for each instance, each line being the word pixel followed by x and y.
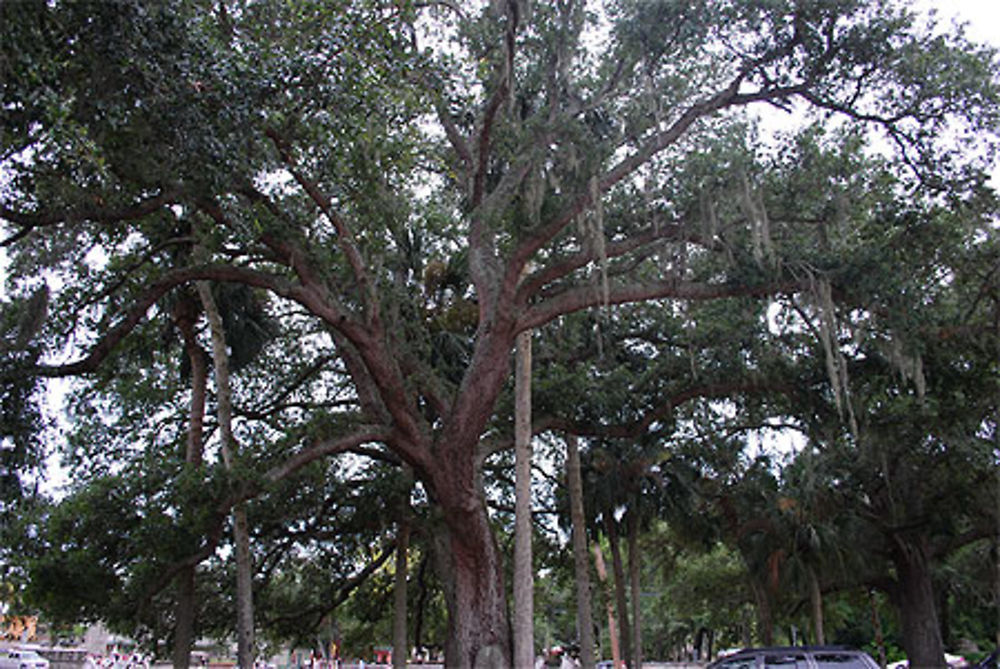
pixel 524 582
pixel 471 569
pixel 914 595
pixel 581 562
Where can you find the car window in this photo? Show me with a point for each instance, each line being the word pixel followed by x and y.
pixel 839 661
pixel 786 661
pixel 737 663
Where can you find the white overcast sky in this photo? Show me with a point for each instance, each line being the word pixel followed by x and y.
pixel 982 16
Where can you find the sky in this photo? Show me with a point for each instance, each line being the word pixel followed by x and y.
pixel 983 16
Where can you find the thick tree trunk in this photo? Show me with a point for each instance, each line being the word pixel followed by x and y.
pixel 524 581
pixel 636 589
pixel 581 561
pixel 471 570
pixel 914 597
pixel 621 588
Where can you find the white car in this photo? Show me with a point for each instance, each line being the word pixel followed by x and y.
pixel 951 660
pixel 20 658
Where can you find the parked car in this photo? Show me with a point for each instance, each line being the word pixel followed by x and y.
pixel 991 661
pixel 22 658
pixel 796 657
pixel 951 661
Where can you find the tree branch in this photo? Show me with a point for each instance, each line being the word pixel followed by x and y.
pixel 29 221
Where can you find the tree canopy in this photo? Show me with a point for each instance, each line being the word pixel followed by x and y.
pixel 388 193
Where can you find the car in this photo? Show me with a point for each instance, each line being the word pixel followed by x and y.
pixel 796 657
pixel 991 661
pixel 22 658
pixel 953 661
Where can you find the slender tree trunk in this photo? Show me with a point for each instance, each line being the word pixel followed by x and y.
pixel 621 587
pixel 581 562
pixel 921 630
pixel 185 317
pixel 877 625
pixel 418 624
pixel 244 588
pixel 524 630
pixel 636 586
pixel 765 620
pixel 602 575
pixel 241 530
pixel 816 600
pixel 400 652
pixel 996 456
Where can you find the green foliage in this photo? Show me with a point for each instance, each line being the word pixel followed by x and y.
pixel 380 212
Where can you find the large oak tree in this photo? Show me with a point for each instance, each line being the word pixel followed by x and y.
pixel 421 182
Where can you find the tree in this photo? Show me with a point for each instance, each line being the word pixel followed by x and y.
pixel 329 153
pixel 581 556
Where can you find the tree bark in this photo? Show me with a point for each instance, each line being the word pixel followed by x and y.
pixel 400 651
pixel 636 587
pixel 877 625
pixel 621 587
pixel 524 582
pixel 241 530
pixel 602 575
pixel 914 595
pixel 184 613
pixel 765 619
pixel 816 600
pixel 471 571
pixel 581 562
pixel 185 316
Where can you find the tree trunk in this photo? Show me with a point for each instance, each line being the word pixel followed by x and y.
pixel 602 574
pixel 184 612
pixel 634 577
pixel 877 625
pixel 471 571
pixel 524 582
pixel 765 620
pixel 185 316
pixel 581 562
pixel 621 599
pixel 244 588
pixel 914 595
pixel 816 600
pixel 400 651
pixel 241 530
